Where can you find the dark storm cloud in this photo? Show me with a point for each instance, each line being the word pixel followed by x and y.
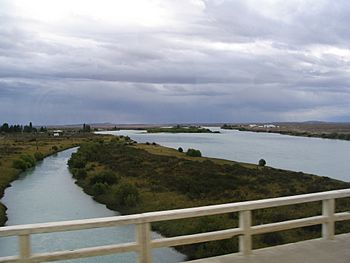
pixel 203 61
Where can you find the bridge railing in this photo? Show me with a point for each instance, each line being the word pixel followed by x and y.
pixel 143 244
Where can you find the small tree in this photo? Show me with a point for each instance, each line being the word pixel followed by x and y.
pixel 86 128
pixel 262 162
pixel 180 150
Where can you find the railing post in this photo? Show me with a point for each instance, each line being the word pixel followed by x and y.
pixel 144 241
pixel 245 240
pixel 24 247
pixel 328 207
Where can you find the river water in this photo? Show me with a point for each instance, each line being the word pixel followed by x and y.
pixel 48 193
pixel 311 155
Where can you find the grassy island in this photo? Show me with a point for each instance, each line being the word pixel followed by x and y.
pixel 136 178
pixel 181 129
pixel 20 151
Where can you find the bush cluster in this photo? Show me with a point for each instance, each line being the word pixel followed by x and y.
pixel 55 148
pixel 38 156
pixel 126 194
pixel 24 162
pixel 193 153
pixel 105 177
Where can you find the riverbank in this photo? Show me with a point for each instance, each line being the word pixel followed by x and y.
pixel 180 129
pixel 136 178
pixel 324 131
pixel 25 150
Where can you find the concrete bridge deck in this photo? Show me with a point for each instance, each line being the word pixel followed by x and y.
pixel 311 251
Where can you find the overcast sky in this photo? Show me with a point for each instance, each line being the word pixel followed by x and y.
pixel 167 61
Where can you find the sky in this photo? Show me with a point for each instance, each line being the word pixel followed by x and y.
pixel 166 61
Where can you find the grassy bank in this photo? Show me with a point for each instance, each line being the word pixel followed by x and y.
pixel 294 132
pixel 20 151
pixel 136 178
pixel 180 129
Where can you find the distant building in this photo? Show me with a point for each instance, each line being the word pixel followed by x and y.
pixel 57 133
pixel 270 126
pixel 252 125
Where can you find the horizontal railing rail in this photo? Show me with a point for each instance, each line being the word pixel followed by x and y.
pixel 144 244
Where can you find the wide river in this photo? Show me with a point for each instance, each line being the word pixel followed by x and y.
pixel 311 155
pixel 48 193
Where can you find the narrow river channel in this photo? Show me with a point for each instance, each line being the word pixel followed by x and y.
pixel 48 193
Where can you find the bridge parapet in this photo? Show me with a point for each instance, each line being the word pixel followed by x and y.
pixel 143 244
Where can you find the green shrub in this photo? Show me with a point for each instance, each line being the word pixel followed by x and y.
pixel 127 194
pixel 19 164
pixel 79 173
pixel 193 153
pixel 28 159
pixel 105 177
pixel 77 161
pixel 115 139
pixel 38 156
pixel 180 149
pixel 55 148
pixel 99 188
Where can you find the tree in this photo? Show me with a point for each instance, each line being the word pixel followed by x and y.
pixel 262 162
pixel 5 127
pixel 180 149
pixel 86 128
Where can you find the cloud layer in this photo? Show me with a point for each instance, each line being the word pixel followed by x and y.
pixel 174 61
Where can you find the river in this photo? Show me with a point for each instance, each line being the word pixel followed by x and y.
pixel 48 193
pixel 324 157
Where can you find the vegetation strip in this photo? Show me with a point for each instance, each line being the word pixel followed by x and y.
pixel 289 131
pixel 181 129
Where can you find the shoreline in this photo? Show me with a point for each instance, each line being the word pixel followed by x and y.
pixel 305 134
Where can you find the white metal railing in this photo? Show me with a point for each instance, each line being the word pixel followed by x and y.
pixel 144 244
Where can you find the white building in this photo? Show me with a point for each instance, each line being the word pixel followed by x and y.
pixel 270 126
pixel 57 133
